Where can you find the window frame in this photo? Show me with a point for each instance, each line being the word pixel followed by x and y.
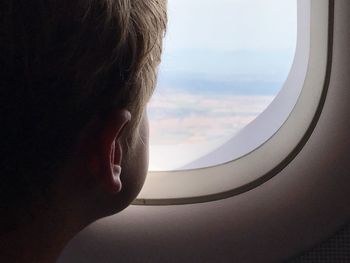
pixel 293 122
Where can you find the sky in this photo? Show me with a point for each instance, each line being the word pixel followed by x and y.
pixel 225 38
pixel 231 24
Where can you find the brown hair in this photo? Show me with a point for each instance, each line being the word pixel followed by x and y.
pixel 61 63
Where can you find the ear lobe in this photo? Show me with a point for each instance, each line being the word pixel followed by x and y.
pixel 115 158
pixel 116 182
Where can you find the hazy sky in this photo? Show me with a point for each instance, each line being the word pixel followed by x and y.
pixel 231 24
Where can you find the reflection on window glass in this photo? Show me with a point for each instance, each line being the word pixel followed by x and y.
pixel 224 62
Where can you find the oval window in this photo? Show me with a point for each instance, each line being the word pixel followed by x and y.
pixel 223 63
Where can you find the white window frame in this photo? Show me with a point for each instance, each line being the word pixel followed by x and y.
pixel 267 149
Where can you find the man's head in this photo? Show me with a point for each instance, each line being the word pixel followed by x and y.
pixel 75 77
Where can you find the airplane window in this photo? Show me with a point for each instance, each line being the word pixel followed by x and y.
pixel 223 63
pixel 228 62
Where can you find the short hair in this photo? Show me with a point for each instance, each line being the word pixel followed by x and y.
pixel 61 63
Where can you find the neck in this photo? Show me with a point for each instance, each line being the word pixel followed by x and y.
pixel 40 240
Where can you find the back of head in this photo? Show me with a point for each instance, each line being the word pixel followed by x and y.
pixel 61 63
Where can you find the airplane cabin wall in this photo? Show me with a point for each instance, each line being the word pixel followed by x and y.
pixel 304 204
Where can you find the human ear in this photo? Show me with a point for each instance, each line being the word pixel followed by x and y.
pixel 107 153
pixel 112 149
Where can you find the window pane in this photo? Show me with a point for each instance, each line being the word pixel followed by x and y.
pixel 224 62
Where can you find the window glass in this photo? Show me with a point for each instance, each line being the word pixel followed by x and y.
pixel 224 61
